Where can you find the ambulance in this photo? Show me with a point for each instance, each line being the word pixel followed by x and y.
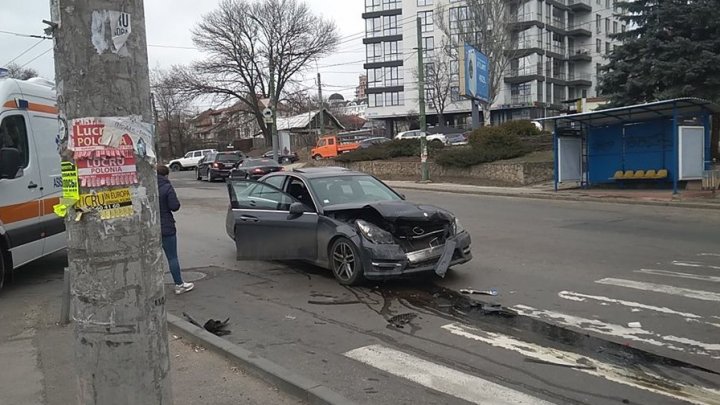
pixel 30 178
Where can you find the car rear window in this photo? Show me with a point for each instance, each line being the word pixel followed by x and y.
pixel 228 158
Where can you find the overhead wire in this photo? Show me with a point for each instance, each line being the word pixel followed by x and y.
pixel 24 52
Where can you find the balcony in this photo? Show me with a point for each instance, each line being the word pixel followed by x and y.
pixel 557 51
pixel 579 30
pixel 580 79
pixel 555 22
pixel 519 100
pixel 579 5
pixel 580 55
pixel 520 22
pixel 524 47
pixel 524 74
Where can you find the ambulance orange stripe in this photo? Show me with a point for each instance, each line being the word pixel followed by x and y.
pixel 27 210
pixel 33 107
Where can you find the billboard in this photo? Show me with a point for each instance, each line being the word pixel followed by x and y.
pixel 474 73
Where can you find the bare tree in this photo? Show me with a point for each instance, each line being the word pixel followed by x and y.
pixel 439 78
pixel 245 40
pixel 21 73
pixel 172 106
pixel 484 26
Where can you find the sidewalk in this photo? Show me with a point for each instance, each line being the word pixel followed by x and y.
pixel 686 199
pixel 37 355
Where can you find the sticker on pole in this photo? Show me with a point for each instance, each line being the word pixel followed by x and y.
pixel 109 204
pixel 70 185
pixel 100 165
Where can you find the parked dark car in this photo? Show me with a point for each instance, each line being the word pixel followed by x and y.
pixel 457 139
pixel 283 158
pixel 254 168
pixel 345 221
pixel 217 165
pixel 368 142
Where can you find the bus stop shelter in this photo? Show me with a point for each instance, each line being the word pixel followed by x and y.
pixel 666 141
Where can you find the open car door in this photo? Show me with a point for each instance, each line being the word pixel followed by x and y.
pixel 268 224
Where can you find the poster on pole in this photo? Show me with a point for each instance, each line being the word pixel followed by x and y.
pixel 474 74
pixel 99 165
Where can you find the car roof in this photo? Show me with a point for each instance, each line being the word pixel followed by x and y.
pixel 320 172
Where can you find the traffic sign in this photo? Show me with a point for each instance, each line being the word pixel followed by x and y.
pixel 268 115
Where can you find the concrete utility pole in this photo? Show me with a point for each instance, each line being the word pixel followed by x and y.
pixel 421 98
pixel 121 341
pixel 322 105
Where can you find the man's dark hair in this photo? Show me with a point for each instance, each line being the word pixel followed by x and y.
pixel 163 170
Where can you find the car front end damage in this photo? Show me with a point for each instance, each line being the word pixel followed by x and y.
pixel 400 239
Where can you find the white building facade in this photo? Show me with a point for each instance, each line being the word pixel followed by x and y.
pixel 557 49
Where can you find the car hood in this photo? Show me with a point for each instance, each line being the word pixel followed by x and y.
pixel 398 210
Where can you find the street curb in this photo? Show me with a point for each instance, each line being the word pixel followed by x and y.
pixel 607 200
pixel 286 380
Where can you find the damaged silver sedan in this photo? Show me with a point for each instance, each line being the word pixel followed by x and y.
pixel 345 221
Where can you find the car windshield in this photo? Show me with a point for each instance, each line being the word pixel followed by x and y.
pixel 228 158
pixel 351 189
pixel 259 162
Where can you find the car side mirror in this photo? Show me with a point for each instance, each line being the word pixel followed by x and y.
pixel 296 210
pixel 402 196
pixel 10 163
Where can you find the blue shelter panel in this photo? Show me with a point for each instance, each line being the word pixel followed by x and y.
pixel 637 146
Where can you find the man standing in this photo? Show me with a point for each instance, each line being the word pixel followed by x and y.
pixel 169 203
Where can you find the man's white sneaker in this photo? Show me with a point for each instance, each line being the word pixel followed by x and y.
pixel 183 288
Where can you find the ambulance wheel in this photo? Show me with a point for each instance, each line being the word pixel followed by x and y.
pixel 3 271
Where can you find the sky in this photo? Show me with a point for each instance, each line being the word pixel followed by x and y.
pixel 169 24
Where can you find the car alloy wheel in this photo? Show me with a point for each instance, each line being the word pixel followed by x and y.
pixel 346 262
pixel 317 157
pixel 175 167
pixel 208 176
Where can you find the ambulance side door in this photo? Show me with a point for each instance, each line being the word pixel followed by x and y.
pixel 21 196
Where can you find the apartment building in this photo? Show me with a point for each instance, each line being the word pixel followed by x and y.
pixel 557 49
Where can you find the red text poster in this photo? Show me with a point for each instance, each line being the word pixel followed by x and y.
pixel 99 165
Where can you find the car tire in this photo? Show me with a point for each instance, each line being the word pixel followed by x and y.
pixel 197 174
pixel 345 262
pixel 437 143
pixel 317 157
pixel 175 167
pixel 209 177
pixel 284 160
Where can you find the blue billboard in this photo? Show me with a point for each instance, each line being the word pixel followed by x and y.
pixel 475 74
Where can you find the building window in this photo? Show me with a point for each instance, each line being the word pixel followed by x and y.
pixel 540 87
pixel 614 27
pixel 598 46
pixel 422 3
pixel 458 20
pixel 607 4
pixel 374 78
pixel 392 51
pixel 372 5
pixel 430 97
pixel 426 21
pixel 393 76
pixel 392 4
pixel 393 98
pixel 375 100
pixel 390 25
pixel 597 22
pixel 428 46
pixel 607 48
pixel 607 26
pixel 454 94
pixel 373 27
pixel 622 28
pixel 598 1
pixel 374 53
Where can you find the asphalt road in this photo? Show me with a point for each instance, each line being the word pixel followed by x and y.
pixel 615 303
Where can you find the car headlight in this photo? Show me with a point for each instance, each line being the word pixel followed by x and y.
pixel 457 227
pixel 374 233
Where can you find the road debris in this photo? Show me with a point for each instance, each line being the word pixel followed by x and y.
pixel 399 321
pixel 491 291
pixel 213 326
pixel 290 317
pixel 567 365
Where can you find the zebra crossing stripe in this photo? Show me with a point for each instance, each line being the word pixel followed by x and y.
pixel 440 378
pixel 689 276
pixel 662 288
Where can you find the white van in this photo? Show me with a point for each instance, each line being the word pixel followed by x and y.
pixel 30 180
